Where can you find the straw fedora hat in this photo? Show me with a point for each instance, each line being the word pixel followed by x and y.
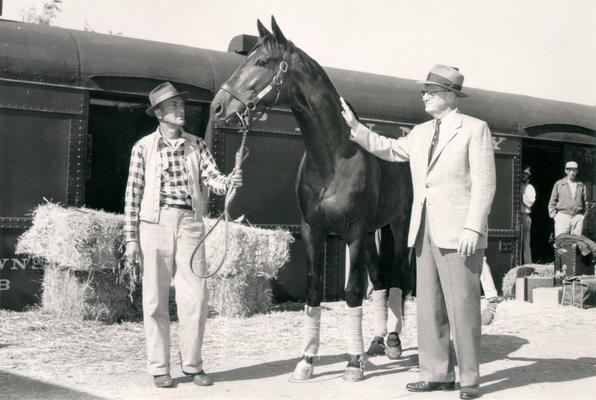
pixel 446 77
pixel 163 92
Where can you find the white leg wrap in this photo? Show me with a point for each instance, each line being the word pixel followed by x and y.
pixel 312 329
pixel 354 333
pixel 394 319
pixel 379 306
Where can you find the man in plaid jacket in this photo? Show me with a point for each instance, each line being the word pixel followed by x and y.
pixel 163 224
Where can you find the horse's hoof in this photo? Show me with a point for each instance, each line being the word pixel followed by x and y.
pixel 393 349
pixel 303 370
pixel 488 314
pixel 355 370
pixel 377 347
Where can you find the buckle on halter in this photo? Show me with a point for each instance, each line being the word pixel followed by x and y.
pixel 283 66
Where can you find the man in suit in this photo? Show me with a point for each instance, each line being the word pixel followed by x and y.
pixel 453 173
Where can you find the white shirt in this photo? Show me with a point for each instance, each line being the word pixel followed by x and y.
pixel 572 187
pixel 528 198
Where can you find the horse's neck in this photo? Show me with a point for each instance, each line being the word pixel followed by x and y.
pixel 316 108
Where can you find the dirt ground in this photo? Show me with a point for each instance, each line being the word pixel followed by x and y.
pixel 528 352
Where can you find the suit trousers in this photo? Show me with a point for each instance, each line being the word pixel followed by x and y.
pixel 448 302
pixel 166 249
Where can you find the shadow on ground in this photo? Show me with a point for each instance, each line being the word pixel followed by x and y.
pixel 17 387
pixel 540 370
pixel 286 367
pixel 498 347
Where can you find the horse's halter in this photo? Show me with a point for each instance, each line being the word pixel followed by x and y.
pixel 250 104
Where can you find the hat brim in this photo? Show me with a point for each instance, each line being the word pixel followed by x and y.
pixel 458 93
pixel 151 110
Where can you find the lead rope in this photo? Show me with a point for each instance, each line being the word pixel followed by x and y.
pixel 241 155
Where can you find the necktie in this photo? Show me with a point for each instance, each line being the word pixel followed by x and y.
pixel 433 144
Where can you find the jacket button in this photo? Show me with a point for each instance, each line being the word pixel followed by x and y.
pixel 427 185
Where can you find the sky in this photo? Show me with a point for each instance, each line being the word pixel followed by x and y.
pixel 541 48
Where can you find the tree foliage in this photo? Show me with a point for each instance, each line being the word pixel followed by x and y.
pixel 43 15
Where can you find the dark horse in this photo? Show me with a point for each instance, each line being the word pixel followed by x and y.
pixel 341 188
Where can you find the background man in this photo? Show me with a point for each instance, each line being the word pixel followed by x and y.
pixel 163 224
pixel 453 173
pixel 528 199
pixel 568 202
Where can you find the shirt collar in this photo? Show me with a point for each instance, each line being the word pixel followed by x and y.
pixel 173 143
pixel 449 117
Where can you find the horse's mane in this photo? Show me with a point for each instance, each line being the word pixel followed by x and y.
pixel 275 50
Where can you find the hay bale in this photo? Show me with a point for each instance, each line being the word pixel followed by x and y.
pixel 91 295
pixel 241 287
pixel 239 298
pixel 88 240
pixel 77 238
pixel 251 251
pixel 508 285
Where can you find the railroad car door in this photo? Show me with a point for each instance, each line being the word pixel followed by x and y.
pixel 42 156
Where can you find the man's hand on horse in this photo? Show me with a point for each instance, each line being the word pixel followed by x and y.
pixel 468 241
pixel 348 115
pixel 236 178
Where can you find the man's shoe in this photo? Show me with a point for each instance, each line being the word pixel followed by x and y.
pixel 200 378
pixel 469 392
pixel 163 381
pixel 424 386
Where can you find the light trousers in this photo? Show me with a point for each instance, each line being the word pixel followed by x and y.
pixel 565 223
pixel 166 249
pixel 448 301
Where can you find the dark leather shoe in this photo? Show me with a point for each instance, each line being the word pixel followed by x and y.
pixel 163 381
pixel 424 386
pixel 469 392
pixel 200 378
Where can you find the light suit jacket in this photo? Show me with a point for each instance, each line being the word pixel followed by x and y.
pixel 457 185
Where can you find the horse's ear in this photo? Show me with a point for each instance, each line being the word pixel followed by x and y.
pixel 277 32
pixel 262 30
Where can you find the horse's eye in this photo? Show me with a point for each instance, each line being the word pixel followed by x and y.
pixel 260 63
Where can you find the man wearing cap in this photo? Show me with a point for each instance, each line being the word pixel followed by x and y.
pixel 163 225
pixel 528 199
pixel 568 202
pixel 453 174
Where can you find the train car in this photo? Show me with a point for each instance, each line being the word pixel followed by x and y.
pixel 72 105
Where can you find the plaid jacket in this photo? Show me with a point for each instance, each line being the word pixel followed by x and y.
pixel 144 184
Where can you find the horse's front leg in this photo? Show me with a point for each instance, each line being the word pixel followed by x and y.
pixel 314 243
pixel 354 295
